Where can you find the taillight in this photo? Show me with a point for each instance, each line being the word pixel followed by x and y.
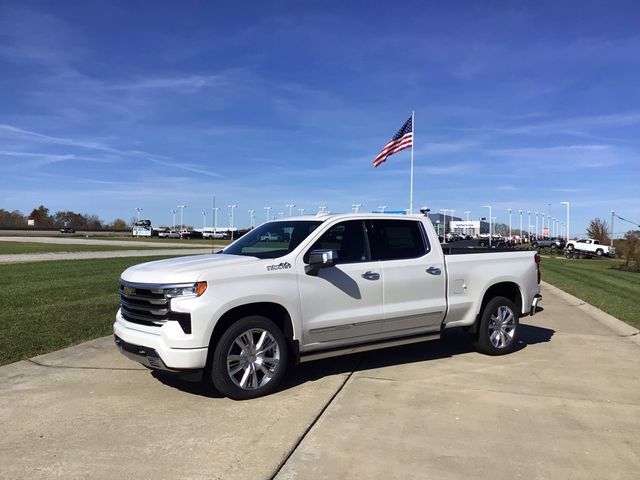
pixel 537 260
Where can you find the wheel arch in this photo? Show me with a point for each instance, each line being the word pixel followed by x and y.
pixel 510 290
pixel 271 310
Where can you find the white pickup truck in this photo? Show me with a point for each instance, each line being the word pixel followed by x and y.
pixel 592 246
pixel 332 285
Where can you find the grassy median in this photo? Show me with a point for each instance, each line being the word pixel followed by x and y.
pixel 598 282
pixel 50 305
pixel 12 248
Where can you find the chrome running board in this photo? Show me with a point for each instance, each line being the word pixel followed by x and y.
pixel 365 347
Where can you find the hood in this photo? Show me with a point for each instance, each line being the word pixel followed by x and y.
pixel 181 269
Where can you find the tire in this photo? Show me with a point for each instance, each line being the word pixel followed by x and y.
pixel 599 252
pixel 492 338
pixel 249 371
pixel 534 245
pixel 570 247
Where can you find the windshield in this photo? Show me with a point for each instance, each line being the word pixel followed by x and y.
pixel 272 239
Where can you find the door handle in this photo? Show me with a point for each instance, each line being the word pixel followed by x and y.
pixel 371 275
pixel 434 271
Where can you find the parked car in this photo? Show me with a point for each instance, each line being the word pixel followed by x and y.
pixel 270 237
pixel 213 235
pixel 553 243
pixel 342 284
pixel 592 246
pixel 172 234
pixel 67 230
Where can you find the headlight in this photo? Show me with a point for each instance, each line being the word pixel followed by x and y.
pixel 190 290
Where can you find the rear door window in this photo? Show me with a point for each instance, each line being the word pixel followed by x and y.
pixel 397 240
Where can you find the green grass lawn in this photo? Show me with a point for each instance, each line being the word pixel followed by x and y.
pixel 8 248
pixel 597 282
pixel 50 305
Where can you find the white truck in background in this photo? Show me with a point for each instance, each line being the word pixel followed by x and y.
pixel 591 246
pixel 331 285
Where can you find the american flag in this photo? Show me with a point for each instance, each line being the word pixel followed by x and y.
pixel 401 140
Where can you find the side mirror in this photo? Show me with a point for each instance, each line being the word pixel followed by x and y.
pixel 320 259
pixel 323 258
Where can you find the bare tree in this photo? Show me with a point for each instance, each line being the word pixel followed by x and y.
pixel 598 230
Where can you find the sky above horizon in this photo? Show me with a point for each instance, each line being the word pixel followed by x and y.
pixel 106 106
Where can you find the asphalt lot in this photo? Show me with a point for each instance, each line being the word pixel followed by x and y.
pixel 565 405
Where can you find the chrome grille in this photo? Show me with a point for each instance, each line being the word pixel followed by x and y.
pixel 143 305
pixel 150 305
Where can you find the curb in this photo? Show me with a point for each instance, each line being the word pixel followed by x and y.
pixel 620 328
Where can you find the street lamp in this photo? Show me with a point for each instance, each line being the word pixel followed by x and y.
pixel 567 230
pixel 490 219
pixel 268 210
pixel 215 219
pixel 509 210
pixel 231 219
pixel 138 209
pixel 251 218
pixel 445 210
pixel 356 207
pixel 322 208
pixel 204 220
pixel 301 210
pixel 537 232
pixel 174 211
pixel 382 208
pixel 181 207
pixel 290 206
pixel 466 230
pixel 520 225
pixel 529 226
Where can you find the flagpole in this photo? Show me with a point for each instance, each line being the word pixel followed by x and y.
pixel 413 134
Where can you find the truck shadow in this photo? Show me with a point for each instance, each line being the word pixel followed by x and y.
pixel 453 342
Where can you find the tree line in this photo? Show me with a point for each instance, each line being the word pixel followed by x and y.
pixel 42 218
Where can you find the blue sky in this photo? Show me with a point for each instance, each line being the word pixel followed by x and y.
pixel 110 105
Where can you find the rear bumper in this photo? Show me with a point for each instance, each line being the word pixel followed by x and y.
pixel 534 305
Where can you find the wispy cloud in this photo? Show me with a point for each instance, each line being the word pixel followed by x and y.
pixel 102 147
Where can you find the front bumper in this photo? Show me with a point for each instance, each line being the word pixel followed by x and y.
pixel 534 305
pixel 152 351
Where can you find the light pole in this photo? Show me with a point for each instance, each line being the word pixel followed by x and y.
pixel 520 211
pixel 537 214
pixel 529 226
pixel 438 226
pixel 301 210
pixel 382 208
pixel 231 219
pixel 215 219
pixel 548 219
pixel 356 207
pixel 174 211
pixel 466 230
pixel 181 207
pixel 138 209
pixel 509 210
pixel 268 210
pixel 290 206
pixel 490 219
pixel 567 230
pixel 281 214
pixel 251 218
pixel 445 210
pixel 322 208
pixel 204 219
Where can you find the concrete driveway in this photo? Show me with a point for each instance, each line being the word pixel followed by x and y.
pixel 566 405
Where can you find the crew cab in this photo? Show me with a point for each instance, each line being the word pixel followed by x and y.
pixel 592 246
pixel 338 284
